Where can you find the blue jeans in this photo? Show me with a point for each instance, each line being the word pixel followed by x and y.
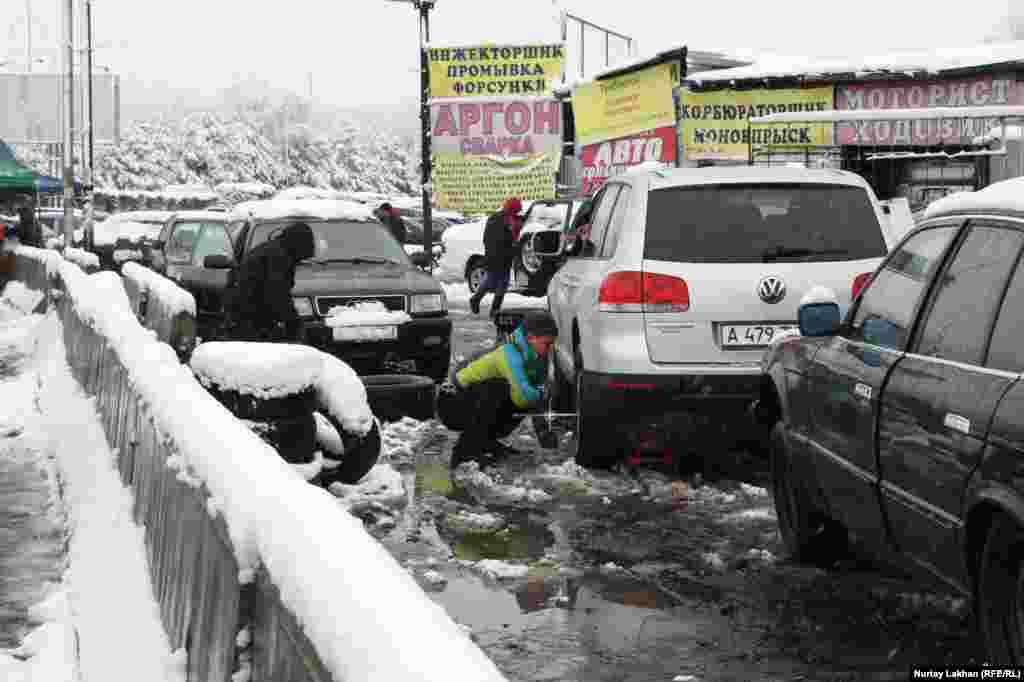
pixel 493 281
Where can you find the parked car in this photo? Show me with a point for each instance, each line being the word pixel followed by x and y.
pixel 903 424
pixel 463 258
pixel 682 280
pixel 127 236
pixel 362 262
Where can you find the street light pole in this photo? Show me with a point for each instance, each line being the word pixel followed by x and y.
pixel 69 126
pixel 88 175
pixel 424 7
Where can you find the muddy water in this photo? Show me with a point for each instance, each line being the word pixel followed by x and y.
pixel 644 575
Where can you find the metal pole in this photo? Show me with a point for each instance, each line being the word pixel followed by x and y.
pixel 69 126
pixel 428 225
pixel 88 176
pixel 565 41
pixel 607 49
pixel 582 48
pixel 28 35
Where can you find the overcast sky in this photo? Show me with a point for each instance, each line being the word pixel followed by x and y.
pixel 364 52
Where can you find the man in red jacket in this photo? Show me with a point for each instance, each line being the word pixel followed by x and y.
pixel 500 236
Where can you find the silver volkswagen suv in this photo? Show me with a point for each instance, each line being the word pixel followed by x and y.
pixel 671 295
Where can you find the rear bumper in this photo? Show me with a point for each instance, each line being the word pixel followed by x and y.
pixel 422 340
pixel 672 405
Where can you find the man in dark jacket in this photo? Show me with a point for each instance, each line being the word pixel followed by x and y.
pixel 389 215
pixel 262 308
pixel 499 253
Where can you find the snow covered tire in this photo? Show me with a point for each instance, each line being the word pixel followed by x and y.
pixel 361 454
pixel 394 396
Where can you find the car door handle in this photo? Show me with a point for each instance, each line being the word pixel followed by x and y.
pixel 957 423
pixel 862 391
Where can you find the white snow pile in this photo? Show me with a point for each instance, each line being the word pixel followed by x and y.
pixel 472 522
pixel 364 313
pixel 321 209
pixel 762 555
pixel 1005 195
pixel 110 231
pixel 497 569
pixel 400 440
pixel 485 488
pixel 341 391
pixel 19 297
pixel 172 297
pixel 755 514
pixel 382 485
pixel 714 560
pixel 753 490
pixel 318 555
pixel 82 259
pixel 49 652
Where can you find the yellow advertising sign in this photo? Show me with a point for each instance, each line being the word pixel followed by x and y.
pixel 625 105
pixel 715 125
pixel 481 184
pixel 495 70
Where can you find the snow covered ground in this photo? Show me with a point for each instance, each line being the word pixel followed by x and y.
pixel 104 610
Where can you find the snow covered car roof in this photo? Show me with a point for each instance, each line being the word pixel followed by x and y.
pixel 108 233
pixel 219 216
pixel 1001 197
pixel 312 209
pixel 140 216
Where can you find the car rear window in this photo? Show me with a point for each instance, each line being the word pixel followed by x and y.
pixel 761 223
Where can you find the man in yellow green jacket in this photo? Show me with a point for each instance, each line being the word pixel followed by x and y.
pixel 492 391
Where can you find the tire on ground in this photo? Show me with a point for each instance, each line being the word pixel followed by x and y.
pixel 394 396
pixel 809 536
pixel 475 265
pixel 1000 592
pixel 593 445
pixel 361 454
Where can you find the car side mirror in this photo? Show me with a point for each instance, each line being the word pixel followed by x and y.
pixel 420 259
pixel 818 319
pixel 547 243
pixel 217 262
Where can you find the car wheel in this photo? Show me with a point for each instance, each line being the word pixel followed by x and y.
pixel 293 438
pixel 809 536
pixel 1001 592
pixel 361 455
pixel 394 396
pixel 475 272
pixel 592 445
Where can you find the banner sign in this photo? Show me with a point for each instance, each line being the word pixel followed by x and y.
pixel 715 126
pixel 495 70
pixel 607 159
pixel 485 151
pixel 625 105
pixel 959 92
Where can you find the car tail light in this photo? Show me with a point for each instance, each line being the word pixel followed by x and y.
pixel 859 282
pixel 633 292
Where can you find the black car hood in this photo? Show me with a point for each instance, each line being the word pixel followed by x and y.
pixel 361 278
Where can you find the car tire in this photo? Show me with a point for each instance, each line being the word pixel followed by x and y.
pixel 394 396
pixel 593 446
pixel 361 455
pixel 1000 592
pixel 475 272
pixel 808 535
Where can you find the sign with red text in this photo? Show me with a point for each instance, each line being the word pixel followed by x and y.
pixel 607 159
pixel 926 94
pixel 485 151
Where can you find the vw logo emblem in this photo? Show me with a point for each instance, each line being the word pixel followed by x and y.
pixel 771 289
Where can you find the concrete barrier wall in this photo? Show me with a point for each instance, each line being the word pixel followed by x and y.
pixel 192 565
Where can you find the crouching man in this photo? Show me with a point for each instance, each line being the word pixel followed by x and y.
pixel 487 396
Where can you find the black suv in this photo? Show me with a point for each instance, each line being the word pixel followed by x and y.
pixel 903 425
pixel 360 262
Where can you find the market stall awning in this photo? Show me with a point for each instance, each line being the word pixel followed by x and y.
pixel 14 176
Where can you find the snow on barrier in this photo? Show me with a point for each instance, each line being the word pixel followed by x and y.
pixel 162 306
pixel 259 575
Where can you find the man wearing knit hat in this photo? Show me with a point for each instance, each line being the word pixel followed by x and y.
pixel 500 235
pixel 490 392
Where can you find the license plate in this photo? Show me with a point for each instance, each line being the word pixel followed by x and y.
pixel 751 335
pixel 365 333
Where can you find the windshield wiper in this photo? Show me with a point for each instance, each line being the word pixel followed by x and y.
pixel 358 259
pixel 783 252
